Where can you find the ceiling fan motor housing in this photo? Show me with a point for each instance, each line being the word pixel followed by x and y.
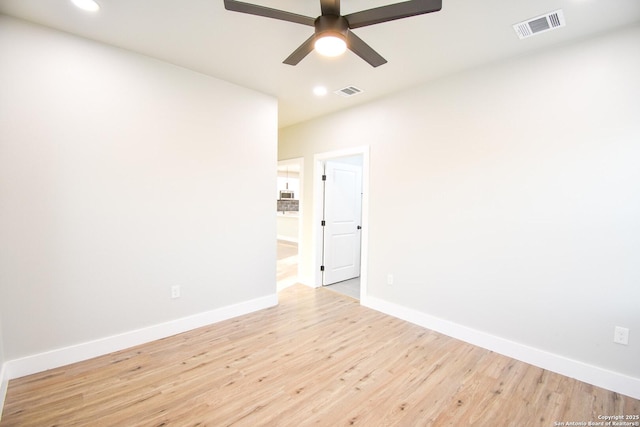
pixel 332 25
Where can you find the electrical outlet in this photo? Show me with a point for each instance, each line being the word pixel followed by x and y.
pixel 621 335
pixel 389 279
pixel 175 291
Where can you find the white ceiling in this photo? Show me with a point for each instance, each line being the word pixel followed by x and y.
pixel 248 50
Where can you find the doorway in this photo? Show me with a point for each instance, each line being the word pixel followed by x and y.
pixel 289 221
pixel 342 220
pixel 341 202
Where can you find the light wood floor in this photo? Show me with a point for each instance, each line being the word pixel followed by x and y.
pixel 318 358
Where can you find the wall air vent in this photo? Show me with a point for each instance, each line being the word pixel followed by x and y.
pixel 348 91
pixel 540 24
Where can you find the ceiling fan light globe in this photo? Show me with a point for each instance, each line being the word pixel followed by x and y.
pixel 330 45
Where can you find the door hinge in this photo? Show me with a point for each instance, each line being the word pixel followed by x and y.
pixel 324 177
pixel 322 268
pixel 323 223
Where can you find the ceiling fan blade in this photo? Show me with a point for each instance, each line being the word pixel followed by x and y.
pixel 330 7
pixel 302 51
pixel 254 9
pixel 392 12
pixel 364 51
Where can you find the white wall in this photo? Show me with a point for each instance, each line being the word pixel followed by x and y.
pixel 288 227
pixel 506 199
pixel 114 172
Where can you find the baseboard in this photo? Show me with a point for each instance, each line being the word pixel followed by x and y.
pixel 581 371
pixel 309 283
pixel 4 384
pixel 84 351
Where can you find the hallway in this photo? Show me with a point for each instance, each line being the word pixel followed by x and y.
pixel 287 264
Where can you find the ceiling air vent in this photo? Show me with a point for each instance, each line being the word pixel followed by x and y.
pixel 348 91
pixel 540 24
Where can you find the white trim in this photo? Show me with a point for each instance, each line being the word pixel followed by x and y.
pixel 581 371
pixel 4 384
pixel 306 281
pixel 318 162
pixel 364 254
pixel 79 352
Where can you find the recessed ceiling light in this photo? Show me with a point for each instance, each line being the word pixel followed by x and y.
pixel 320 91
pixel 88 5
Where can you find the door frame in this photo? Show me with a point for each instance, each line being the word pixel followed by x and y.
pixel 318 203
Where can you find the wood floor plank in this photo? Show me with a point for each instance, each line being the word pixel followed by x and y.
pixel 318 358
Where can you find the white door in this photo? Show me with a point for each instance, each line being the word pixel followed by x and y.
pixel 342 216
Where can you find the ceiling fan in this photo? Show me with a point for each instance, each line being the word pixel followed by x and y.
pixel 333 33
